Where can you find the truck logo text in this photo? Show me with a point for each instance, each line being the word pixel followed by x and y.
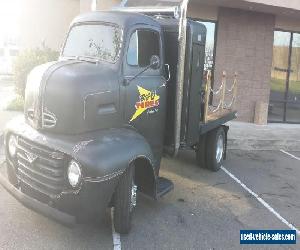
pixel 147 100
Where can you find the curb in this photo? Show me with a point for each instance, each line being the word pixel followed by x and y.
pixel 263 144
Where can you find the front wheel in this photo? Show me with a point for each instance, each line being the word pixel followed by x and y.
pixel 216 146
pixel 124 201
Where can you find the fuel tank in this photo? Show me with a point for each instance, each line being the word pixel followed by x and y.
pixel 73 96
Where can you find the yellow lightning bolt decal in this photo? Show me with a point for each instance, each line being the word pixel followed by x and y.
pixel 148 99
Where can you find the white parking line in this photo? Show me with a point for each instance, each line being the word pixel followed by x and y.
pixel 116 237
pixel 291 155
pixel 262 201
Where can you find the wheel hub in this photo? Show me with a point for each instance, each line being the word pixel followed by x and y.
pixel 133 196
pixel 220 149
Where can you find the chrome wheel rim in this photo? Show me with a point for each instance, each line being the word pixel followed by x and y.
pixel 220 148
pixel 133 197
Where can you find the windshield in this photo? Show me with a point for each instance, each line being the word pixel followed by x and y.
pixel 96 41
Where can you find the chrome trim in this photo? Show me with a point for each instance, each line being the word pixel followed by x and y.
pixel 105 177
pixel 169 72
pixel 49 119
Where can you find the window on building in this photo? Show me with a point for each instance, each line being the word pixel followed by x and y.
pixel 284 103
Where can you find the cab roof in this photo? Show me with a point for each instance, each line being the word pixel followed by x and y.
pixel 122 19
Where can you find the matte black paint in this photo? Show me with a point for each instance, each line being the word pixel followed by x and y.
pixel 104 151
pixel 94 112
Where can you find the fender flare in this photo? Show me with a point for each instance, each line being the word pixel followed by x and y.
pixel 112 152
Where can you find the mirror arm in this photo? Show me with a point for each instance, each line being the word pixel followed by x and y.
pixel 128 81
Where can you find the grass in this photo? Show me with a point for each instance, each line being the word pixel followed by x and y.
pixel 16 104
pixel 279 85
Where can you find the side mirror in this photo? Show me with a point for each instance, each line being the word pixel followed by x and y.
pixel 154 62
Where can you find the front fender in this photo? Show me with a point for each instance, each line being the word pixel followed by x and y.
pixel 111 152
pixel 102 154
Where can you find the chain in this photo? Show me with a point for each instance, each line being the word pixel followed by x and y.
pixel 232 87
pixel 216 92
pixel 217 108
pixel 230 104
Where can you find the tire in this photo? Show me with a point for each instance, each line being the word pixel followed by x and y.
pixel 216 149
pixel 201 152
pixel 123 202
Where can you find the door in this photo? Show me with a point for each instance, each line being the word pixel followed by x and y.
pixel 192 101
pixel 145 93
pixel 285 82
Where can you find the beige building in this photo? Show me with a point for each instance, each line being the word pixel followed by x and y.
pixel 259 39
pixel 46 21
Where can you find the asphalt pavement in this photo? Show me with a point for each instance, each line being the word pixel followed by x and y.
pixel 205 210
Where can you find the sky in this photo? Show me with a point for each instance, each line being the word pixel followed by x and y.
pixel 210 36
pixel 9 18
pixel 282 38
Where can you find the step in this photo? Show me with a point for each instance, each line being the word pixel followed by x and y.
pixel 164 186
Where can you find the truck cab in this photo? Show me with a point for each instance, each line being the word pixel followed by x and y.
pixel 97 121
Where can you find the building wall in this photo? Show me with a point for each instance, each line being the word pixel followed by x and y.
pixel 204 12
pixel 291 4
pixel 105 5
pixel 244 45
pixel 46 21
pixel 85 6
pixel 286 23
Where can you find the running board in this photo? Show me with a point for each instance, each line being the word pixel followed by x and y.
pixel 164 186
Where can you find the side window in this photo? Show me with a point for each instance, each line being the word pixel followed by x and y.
pixel 132 53
pixel 143 44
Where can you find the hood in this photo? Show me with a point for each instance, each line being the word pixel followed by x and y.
pixel 72 97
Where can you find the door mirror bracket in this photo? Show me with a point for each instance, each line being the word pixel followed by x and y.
pixel 154 64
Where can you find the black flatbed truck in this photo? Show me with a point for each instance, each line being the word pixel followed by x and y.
pixel 128 88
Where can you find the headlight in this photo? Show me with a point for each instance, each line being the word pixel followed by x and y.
pixel 74 173
pixel 12 145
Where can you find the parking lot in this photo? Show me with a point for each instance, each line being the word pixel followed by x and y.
pixel 205 210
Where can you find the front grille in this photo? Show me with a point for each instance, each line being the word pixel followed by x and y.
pixel 40 170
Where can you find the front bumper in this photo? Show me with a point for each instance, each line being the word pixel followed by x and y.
pixel 69 208
pixel 61 217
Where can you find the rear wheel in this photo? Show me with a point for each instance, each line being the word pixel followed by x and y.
pixel 216 146
pixel 124 201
